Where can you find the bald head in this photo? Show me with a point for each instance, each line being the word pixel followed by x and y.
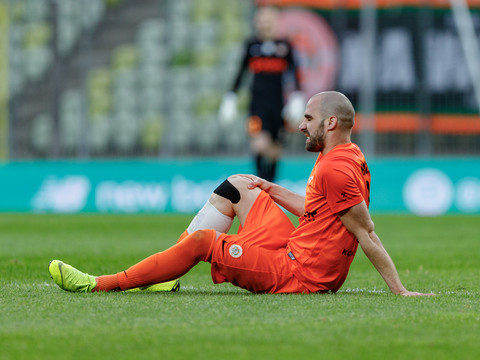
pixel 334 103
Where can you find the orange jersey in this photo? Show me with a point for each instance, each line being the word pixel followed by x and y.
pixel 321 244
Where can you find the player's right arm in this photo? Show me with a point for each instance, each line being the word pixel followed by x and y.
pixel 242 68
pixel 358 221
pixel 227 112
pixel 290 201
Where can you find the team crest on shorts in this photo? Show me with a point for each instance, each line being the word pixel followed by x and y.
pixel 235 251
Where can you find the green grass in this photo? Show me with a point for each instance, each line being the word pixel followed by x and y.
pixel 205 321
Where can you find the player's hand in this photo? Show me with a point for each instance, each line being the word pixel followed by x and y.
pixel 228 108
pixel 256 181
pixel 413 293
pixel 294 110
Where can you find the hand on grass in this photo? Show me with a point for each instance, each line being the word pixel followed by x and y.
pixel 413 293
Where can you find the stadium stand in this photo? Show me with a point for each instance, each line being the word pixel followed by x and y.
pixel 145 78
pixel 165 61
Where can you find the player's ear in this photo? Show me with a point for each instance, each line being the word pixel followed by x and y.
pixel 332 122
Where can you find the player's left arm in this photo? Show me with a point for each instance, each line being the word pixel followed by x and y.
pixel 358 221
pixel 294 108
pixel 292 202
pixel 293 66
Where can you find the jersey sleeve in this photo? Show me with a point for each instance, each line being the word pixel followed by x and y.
pixel 340 188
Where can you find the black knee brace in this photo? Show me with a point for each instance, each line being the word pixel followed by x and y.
pixel 228 191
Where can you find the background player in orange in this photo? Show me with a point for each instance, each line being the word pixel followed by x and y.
pixel 268 58
pixel 269 254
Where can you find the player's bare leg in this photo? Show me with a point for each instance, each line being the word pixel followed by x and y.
pixel 236 204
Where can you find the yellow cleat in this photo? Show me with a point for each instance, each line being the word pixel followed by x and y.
pixel 70 279
pixel 169 286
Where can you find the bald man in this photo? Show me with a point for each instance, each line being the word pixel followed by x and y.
pixel 269 254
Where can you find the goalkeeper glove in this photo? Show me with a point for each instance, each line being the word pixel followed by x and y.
pixel 294 110
pixel 228 108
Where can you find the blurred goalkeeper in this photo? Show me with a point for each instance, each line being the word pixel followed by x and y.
pixel 269 254
pixel 269 59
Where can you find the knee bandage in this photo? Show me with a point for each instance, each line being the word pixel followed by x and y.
pixel 210 218
pixel 228 191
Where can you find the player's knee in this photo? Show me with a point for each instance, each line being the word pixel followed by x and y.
pixel 199 244
pixel 229 190
pixel 239 182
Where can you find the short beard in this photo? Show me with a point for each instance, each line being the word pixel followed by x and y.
pixel 317 141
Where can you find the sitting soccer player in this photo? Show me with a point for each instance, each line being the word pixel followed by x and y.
pixel 270 255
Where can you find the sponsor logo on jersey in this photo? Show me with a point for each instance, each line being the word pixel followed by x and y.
pixel 235 251
pixel 344 196
pixel 267 65
pixel 310 215
pixel 268 48
pixel 347 252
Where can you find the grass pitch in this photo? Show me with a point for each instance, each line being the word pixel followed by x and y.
pixel 205 321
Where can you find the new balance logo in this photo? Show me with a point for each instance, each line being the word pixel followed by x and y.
pixel 344 196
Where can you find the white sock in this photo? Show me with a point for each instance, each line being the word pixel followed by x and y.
pixel 210 218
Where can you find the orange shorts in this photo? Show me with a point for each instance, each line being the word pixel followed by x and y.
pixel 256 259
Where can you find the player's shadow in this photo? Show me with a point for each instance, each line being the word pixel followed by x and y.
pixel 221 293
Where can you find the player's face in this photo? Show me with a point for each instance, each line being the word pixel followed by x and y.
pixel 313 127
pixel 266 23
pixel 316 139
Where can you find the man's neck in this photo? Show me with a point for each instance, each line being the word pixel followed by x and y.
pixel 333 144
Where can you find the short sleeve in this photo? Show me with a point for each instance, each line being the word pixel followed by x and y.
pixel 340 188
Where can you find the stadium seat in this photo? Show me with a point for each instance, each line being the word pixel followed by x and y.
pixel 235 138
pixel 151 30
pixel 42 133
pixel 98 92
pixel 36 35
pixel 99 134
pixel 17 73
pixel 124 131
pixel 71 119
pixel 37 62
pixel 203 10
pixel 124 99
pixel 36 10
pixel 151 100
pixel 179 8
pixel 175 68
pixel 154 54
pixel 92 13
pixel 180 135
pixel 151 76
pixel 151 132
pixel 125 57
pixel 113 3
pixel 180 37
